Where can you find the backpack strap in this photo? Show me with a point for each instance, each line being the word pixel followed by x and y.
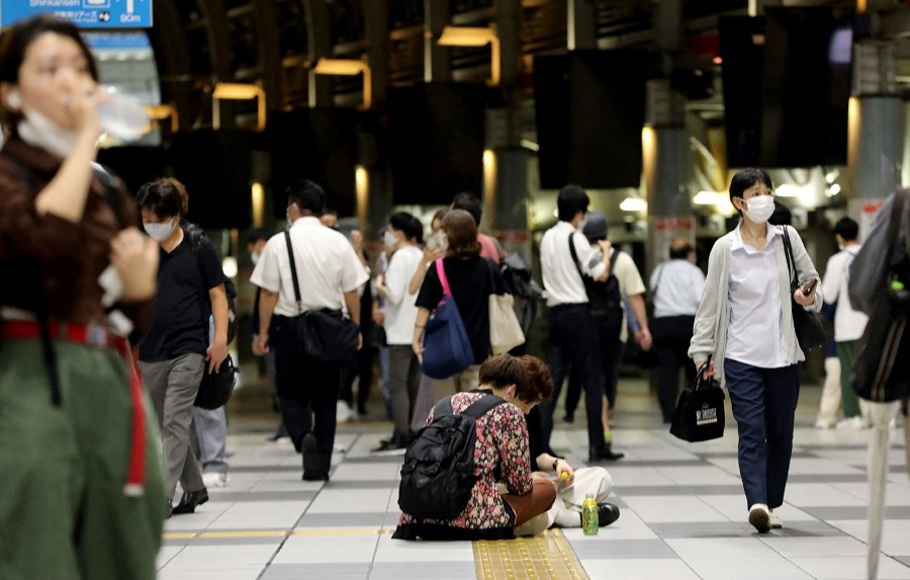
pixel 482 405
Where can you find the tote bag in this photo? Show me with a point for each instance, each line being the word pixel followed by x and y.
pixel 505 330
pixel 700 410
pixel 447 350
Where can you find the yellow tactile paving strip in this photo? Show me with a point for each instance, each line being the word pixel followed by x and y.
pixel 548 555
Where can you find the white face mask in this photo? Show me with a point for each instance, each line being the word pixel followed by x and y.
pixel 254 257
pixel 389 239
pixel 759 208
pixel 159 232
pixel 38 130
pixel 581 225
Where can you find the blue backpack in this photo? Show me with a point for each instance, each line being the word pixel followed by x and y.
pixel 447 350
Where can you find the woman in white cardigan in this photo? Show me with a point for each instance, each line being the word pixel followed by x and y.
pixel 745 321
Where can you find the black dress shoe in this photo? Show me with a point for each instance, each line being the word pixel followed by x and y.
pixel 607 513
pixel 605 453
pixel 312 465
pixel 190 500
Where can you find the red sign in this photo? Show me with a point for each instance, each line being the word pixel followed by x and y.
pixel 674 224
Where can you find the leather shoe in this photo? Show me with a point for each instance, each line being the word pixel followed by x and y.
pixel 312 465
pixel 607 513
pixel 605 453
pixel 190 500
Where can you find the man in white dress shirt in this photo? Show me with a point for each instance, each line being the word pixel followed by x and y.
pixel 329 273
pixel 677 286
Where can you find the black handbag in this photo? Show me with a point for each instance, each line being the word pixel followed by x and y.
pixel 216 388
pixel 809 330
pixel 326 335
pixel 700 410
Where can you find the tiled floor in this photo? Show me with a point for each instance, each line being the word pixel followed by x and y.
pixel 683 512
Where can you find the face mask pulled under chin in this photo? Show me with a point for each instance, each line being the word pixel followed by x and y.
pixel 759 208
pixel 38 130
pixel 159 232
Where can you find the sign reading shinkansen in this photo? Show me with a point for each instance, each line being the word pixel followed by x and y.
pixel 83 13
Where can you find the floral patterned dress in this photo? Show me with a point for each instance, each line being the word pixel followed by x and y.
pixel 500 455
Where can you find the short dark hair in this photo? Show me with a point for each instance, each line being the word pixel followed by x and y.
pixel 307 195
pixel 461 232
pixel 470 203
pixel 745 179
pixel 571 200
pixel 161 197
pixel 404 222
pixel 14 43
pixel 847 228
pixel 540 381
pixel 257 235
pixel 501 370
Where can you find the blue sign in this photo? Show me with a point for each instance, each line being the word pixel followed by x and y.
pixel 82 13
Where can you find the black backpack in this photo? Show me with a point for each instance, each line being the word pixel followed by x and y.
pixel 604 298
pixel 438 473
pixel 196 235
pixel 525 292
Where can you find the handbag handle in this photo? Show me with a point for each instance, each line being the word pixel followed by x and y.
pixel 441 272
pixel 699 376
pixel 788 250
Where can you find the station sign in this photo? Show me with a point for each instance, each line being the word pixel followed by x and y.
pixel 82 13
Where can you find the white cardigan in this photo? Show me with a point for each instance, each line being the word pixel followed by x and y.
pixel 713 317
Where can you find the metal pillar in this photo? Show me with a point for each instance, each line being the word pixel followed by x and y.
pixel 505 195
pixel 876 132
pixel 667 161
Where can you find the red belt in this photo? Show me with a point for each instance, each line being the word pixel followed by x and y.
pixel 101 337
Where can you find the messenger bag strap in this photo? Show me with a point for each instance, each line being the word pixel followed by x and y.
pixel 441 272
pixel 287 238
pixel 575 256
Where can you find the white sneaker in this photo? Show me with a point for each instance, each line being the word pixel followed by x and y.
pixel 215 479
pixel 342 412
pixel 854 423
pixel 775 521
pixel 760 517
pixel 823 424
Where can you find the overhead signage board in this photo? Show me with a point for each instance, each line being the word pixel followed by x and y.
pixel 82 13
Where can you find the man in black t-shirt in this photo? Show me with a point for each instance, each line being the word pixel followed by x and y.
pixel 174 351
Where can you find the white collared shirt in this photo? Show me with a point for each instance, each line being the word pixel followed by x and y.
pixel 754 335
pixel 560 274
pixel 327 267
pixel 677 286
pixel 849 324
pixel 400 305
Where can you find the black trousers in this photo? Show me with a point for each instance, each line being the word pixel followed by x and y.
pixel 363 372
pixel 304 384
pixel 672 335
pixel 572 343
pixel 609 354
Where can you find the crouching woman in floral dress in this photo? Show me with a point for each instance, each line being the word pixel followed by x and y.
pixel 500 458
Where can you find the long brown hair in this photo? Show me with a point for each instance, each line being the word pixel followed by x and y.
pixel 461 232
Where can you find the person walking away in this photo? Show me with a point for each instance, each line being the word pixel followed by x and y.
pixel 849 323
pixel 81 488
pixel 677 286
pixel 175 352
pixel 745 321
pixel 402 237
pixel 333 274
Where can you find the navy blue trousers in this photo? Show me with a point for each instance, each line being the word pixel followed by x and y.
pixel 764 405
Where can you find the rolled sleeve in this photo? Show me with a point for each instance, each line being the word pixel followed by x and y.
pixel 266 274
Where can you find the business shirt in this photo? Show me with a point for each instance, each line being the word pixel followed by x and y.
pixel 560 274
pixel 849 324
pixel 677 286
pixel 326 264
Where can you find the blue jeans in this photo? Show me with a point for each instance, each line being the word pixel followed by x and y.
pixel 764 405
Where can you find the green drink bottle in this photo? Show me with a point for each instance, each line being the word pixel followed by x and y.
pixel 589 520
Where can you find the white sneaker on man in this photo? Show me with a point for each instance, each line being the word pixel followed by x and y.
pixel 760 517
pixel 824 424
pixel 855 423
pixel 215 479
pixel 775 521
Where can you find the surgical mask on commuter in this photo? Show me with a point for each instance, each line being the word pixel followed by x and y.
pixel 159 232
pixel 254 257
pixel 759 208
pixel 389 239
pixel 582 224
pixel 38 130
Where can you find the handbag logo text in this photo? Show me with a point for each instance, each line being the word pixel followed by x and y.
pixel 706 415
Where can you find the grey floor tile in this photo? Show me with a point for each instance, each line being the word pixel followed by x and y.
pixel 434 570
pixel 674 490
pixel 611 548
pixel 253 496
pixel 739 529
pixel 342 520
pixel 827 478
pixel 317 571
pixel 856 512
pixel 353 484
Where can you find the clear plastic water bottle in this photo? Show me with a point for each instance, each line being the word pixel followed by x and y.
pixel 122 116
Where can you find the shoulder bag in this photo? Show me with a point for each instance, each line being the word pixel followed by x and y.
pixel 216 388
pixel 700 410
pixel 326 335
pixel 447 350
pixel 505 330
pixel 809 330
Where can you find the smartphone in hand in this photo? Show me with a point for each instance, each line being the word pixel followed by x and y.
pixel 808 288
